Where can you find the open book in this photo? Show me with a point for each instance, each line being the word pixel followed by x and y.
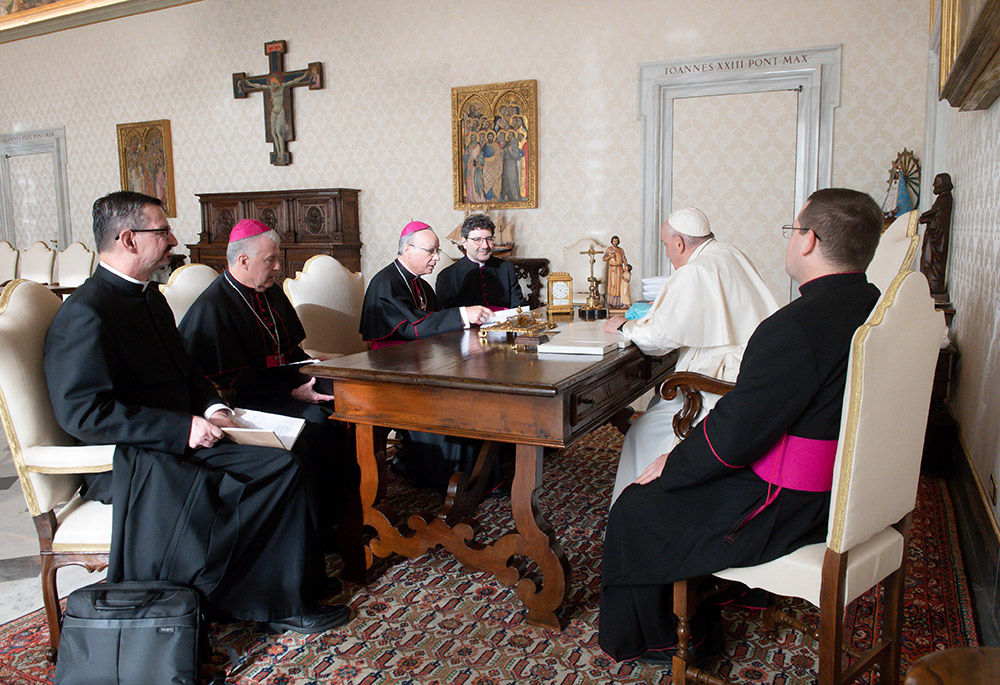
pixel 265 429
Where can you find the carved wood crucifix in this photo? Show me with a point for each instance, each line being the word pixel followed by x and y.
pixel 277 87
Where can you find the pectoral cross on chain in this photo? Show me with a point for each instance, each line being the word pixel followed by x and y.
pixel 277 87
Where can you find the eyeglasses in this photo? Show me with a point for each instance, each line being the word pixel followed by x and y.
pixel 787 229
pixel 479 241
pixel 428 250
pixel 146 230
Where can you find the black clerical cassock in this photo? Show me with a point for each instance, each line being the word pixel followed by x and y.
pixel 491 284
pixel 710 510
pixel 244 340
pixel 398 307
pixel 238 523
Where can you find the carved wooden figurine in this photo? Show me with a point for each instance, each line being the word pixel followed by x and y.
pixel 934 255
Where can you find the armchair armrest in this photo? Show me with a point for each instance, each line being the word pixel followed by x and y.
pixel 691 385
pixel 69 459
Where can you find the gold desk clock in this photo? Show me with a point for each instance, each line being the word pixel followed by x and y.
pixel 560 300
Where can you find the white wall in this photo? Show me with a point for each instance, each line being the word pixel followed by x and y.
pixel 382 123
pixel 974 283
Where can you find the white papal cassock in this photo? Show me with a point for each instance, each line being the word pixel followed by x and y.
pixel 707 310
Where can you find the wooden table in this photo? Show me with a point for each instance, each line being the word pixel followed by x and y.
pixel 456 385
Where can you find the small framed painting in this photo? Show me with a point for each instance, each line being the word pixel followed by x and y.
pixel 495 145
pixel 146 162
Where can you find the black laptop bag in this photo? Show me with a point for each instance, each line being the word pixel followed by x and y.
pixel 130 633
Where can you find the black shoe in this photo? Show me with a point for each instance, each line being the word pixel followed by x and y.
pixel 660 657
pixel 325 617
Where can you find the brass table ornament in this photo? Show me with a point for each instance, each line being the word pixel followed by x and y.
pixel 593 308
pixel 526 328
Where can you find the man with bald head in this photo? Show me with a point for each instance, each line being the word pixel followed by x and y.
pixel 401 307
pixel 706 310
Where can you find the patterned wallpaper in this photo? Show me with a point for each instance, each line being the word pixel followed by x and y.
pixel 744 142
pixel 974 283
pixel 382 122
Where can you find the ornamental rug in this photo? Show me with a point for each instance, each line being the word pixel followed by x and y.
pixel 429 621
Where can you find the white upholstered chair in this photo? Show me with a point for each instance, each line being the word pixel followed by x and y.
pixel 891 369
pixel 327 296
pixel 36 263
pixel 74 265
pixel 8 262
pixel 185 285
pixel 578 266
pixel 897 251
pixel 71 530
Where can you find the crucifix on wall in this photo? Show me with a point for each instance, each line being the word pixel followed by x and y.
pixel 277 87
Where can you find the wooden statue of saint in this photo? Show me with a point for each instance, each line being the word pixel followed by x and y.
pixel 617 263
pixel 937 220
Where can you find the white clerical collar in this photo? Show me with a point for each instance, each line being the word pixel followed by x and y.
pixel 479 264
pixel 128 278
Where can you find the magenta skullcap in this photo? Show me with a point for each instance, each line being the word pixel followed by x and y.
pixel 413 227
pixel 246 229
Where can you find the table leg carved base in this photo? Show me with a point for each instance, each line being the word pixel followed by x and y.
pixel 541 586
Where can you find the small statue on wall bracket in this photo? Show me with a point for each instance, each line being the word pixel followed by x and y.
pixel 277 85
pixel 934 254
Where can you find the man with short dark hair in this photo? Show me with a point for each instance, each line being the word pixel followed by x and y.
pixel 752 481
pixel 237 523
pixel 479 278
pixel 244 333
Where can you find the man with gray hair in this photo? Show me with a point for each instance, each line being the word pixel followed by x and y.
pixel 245 334
pixel 400 307
pixel 706 310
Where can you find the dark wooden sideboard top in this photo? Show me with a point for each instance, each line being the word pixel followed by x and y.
pixel 310 221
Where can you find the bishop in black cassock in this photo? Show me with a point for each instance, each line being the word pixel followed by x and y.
pixel 479 278
pixel 400 306
pixel 710 505
pixel 244 333
pixel 237 523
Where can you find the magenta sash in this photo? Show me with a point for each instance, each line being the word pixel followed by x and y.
pixel 799 464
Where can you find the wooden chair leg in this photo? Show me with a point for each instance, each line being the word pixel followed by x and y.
pixel 685 603
pixel 831 618
pixel 892 623
pixel 50 598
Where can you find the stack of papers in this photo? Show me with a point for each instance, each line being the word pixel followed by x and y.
pixel 651 287
pixel 582 337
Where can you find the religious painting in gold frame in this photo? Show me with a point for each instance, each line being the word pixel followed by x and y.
pixel 970 53
pixel 495 145
pixel 146 161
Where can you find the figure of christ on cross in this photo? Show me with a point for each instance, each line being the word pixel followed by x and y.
pixel 277 87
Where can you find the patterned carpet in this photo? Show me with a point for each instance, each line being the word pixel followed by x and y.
pixel 429 621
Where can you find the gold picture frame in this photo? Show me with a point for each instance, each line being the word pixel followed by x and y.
pixel 970 53
pixel 146 161
pixel 495 145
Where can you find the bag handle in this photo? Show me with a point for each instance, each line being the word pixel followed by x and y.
pixel 125 599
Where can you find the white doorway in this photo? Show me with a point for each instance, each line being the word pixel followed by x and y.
pixel 811 76
pixel 34 196
pixel 734 158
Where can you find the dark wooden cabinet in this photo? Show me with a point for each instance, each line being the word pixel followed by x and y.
pixel 310 222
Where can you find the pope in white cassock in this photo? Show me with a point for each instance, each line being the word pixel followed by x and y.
pixel 706 310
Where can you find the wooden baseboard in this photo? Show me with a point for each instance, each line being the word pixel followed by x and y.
pixel 980 537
